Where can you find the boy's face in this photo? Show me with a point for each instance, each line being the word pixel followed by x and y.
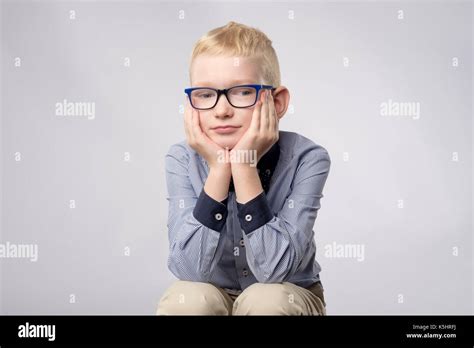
pixel 224 72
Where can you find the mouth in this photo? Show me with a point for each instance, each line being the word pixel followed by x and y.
pixel 225 129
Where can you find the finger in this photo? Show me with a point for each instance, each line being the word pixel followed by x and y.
pixel 264 115
pixel 272 114
pixel 191 123
pixel 255 123
pixel 187 120
pixel 197 125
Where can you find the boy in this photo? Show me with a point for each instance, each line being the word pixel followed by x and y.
pixel 243 196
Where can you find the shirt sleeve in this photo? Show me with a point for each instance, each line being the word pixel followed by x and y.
pixel 194 223
pixel 209 212
pixel 276 244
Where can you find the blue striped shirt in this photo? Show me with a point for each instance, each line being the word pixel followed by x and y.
pixel 268 239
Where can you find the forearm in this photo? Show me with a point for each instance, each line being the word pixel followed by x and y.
pixel 198 234
pixel 246 182
pixel 217 182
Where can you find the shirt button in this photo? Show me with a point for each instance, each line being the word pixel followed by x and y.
pixel 218 216
pixel 245 273
pixel 242 242
pixel 268 171
pixel 248 217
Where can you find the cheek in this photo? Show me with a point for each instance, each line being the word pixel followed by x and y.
pixel 246 120
pixel 204 122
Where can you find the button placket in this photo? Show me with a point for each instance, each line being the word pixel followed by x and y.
pixel 241 265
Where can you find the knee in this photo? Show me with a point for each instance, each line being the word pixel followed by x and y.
pixel 266 299
pixel 192 298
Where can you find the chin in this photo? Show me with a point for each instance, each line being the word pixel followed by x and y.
pixel 229 143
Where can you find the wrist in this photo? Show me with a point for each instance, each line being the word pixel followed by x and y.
pixel 222 169
pixel 243 167
pixel 217 183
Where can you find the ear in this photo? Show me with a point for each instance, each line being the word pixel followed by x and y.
pixel 281 98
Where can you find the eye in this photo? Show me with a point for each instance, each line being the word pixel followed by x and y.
pixel 204 94
pixel 243 91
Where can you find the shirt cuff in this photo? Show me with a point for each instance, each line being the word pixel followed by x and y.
pixel 255 213
pixel 210 213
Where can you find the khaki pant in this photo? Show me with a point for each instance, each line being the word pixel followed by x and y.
pixel 196 298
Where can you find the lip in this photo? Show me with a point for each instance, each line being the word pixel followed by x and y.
pixel 225 129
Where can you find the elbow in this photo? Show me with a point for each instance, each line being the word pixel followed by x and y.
pixel 276 272
pixel 185 269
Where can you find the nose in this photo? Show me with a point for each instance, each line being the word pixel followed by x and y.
pixel 223 108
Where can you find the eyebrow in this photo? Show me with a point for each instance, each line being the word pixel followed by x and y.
pixel 232 83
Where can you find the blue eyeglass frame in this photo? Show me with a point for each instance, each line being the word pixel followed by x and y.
pixel 188 92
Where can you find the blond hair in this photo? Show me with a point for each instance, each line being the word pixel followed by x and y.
pixel 235 39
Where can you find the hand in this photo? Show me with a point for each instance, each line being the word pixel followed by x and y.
pixel 263 130
pixel 199 141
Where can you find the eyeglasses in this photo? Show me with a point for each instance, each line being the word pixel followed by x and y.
pixel 242 96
